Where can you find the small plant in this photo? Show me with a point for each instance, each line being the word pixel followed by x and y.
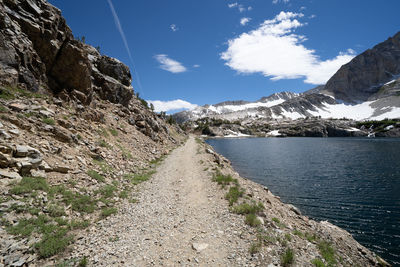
pixel 74 224
pixel 136 179
pixel 288 237
pixel 107 212
pixel 29 185
pixel 233 195
pixel 252 220
pixel 278 222
pixel 318 263
pixel 53 243
pixel 124 194
pixel 327 252
pixel 107 191
pixel 224 180
pixel 287 258
pixel 103 143
pixel 103 132
pixel 255 248
pixel 298 233
pixel 49 121
pixel 83 262
pixel 246 208
pixel 95 175
pixel 113 131
pixel 56 211
pixel 311 237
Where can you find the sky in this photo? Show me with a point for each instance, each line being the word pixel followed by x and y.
pixel 184 53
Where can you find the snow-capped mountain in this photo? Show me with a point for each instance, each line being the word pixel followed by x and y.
pixel 366 88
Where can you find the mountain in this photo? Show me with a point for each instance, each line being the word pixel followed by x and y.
pixel 362 78
pixel 367 88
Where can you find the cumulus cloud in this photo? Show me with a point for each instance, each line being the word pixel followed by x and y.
pixel 167 106
pixel 244 21
pixel 274 50
pixel 169 64
pixel 173 27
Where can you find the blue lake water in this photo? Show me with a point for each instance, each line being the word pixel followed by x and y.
pixel 351 182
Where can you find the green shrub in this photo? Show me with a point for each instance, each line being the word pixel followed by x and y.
pixel 255 248
pixel 287 258
pixel 107 191
pixel 327 252
pixel 56 211
pixel 311 237
pixel 108 211
pixel 113 131
pixel 298 233
pixel 54 243
pixel 30 184
pixel 246 208
pixel 234 193
pixel 95 175
pixel 224 180
pixel 138 178
pixel 49 121
pixel 318 263
pixel 252 220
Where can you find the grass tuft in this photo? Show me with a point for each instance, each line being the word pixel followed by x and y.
pixel 30 184
pixel 233 195
pixel 224 180
pixel 252 220
pixel 246 208
pixel 95 175
pixel 108 211
pixel 287 258
pixel 327 252
pixel 49 121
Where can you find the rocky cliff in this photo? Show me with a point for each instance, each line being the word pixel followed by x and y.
pixel 362 77
pixel 39 53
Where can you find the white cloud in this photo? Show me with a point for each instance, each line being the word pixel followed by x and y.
pixel 196 66
pixel 240 7
pixel 277 1
pixel 275 51
pixel 312 16
pixel 173 27
pixel 233 5
pixel 169 64
pixel 171 105
pixel 244 21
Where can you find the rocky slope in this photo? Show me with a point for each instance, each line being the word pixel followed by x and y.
pixel 74 140
pixel 362 77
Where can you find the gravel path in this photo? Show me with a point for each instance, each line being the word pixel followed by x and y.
pixel 180 219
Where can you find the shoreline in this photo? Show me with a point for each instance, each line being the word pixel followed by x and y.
pixel 291 216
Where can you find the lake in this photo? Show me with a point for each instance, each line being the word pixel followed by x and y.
pixel 351 182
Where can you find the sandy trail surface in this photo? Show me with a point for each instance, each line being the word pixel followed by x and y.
pixel 180 219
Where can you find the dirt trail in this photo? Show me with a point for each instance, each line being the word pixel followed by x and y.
pixel 180 218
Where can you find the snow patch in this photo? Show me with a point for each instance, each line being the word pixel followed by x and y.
pixel 273 133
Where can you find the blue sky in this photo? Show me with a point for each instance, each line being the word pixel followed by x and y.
pixel 205 52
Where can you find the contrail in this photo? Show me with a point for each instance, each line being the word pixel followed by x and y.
pixel 121 31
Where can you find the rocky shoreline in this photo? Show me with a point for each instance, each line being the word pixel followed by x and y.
pixel 285 226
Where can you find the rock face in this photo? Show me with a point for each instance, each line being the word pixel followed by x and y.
pixel 362 77
pixel 38 52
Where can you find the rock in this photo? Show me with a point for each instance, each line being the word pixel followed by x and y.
pixel 131 121
pixel 141 124
pixel 294 209
pixel 199 246
pixel 6 160
pixel 61 169
pixel 4 134
pixel 18 107
pixel 9 174
pixel 21 151
pixel 14 131
pixel 62 135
